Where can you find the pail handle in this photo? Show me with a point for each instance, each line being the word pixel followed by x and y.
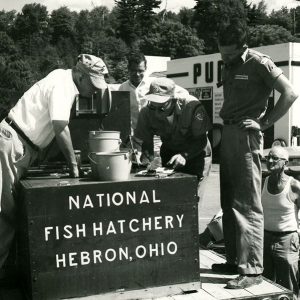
pixel 91 158
pixel 125 156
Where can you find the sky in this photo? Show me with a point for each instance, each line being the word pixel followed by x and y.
pixel 173 5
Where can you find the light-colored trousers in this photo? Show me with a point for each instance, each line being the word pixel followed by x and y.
pixel 240 185
pixel 15 158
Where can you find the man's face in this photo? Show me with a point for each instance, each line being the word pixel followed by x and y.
pixel 276 161
pixel 136 72
pixel 85 87
pixel 162 110
pixel 230 54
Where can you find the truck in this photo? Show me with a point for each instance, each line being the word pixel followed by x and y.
pixel 201 74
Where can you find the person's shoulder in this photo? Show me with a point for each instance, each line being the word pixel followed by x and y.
pixel 295 185
pixel 180 92
pixel 57 77
pixel 124 86
pixel 258 57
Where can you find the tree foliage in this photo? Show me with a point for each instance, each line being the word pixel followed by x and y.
pixel 34 41
pixel 268 35
pixel 211 14
pixel 172 39
pixel 257 14
pixel 282 18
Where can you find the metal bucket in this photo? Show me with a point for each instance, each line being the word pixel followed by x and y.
pixel 104 141
pixel 110 166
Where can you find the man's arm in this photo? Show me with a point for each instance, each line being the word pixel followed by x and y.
pixel 285 101
pixel 64 141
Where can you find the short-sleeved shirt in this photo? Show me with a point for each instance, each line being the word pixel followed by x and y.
pixel 248 85
pixel 49 99
pixel 190 125
pixel 137 97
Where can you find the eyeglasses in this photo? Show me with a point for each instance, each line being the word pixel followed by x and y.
pixel 159 108
pixel 274 158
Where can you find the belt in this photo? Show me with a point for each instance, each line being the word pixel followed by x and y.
pixel 21 133
pixel 280 233
pixel 230 122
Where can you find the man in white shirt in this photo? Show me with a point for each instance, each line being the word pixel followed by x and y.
pixel 138 85
pixel 41 114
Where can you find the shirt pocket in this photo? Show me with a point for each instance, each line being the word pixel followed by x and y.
pixel 240 84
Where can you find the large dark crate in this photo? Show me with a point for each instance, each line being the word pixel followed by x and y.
pixel 120 258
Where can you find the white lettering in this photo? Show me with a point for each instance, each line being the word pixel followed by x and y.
pixel 88 202
pixel 144 198
pixel 71 259
pixel 117 195
pixel 147 224
pixel 121 223
pixel 67 229
pixel 153 249
pixel 180 218
pixel 100 199
pixel 154 197
pixel 85 258
pixel 141 249
pixel 157 220
pixel 170 246
pixel 96 229
pixel 130 225
pixel 113 257
pixel 97 256
pixel 60 260
pixel 56 232
pixel 123 253
pixel 169 222
pixel 130 197
pixel 162 249
pixel 111 228
pixel 74 201
pixel 80 230
pixel 47 232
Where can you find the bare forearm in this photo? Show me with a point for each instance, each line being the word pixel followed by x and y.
pixel 281 108
pixel 64 141
pixel 65 144
pixel 287 98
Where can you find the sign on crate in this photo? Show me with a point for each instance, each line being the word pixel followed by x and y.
pixel 88 238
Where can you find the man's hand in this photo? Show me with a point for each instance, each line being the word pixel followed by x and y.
pixel 177 161
pixel 248 123
pixel 74 172
pixel 146 158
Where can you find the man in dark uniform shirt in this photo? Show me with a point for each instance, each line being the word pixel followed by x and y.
pixel 248 78
pixel 182 124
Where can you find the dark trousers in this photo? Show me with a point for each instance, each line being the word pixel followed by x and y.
pixel 281 255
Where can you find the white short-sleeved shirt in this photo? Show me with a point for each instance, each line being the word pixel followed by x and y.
pixel 137 96
pixel 49 99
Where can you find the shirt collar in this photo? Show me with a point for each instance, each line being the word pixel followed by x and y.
pixel 140 84
pixel 244 55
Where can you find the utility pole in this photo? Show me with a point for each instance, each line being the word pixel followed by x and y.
pixel 294 18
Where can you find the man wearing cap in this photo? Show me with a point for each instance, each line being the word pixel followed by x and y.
pixel 41 114
pixel 182 124
pixel 138 85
